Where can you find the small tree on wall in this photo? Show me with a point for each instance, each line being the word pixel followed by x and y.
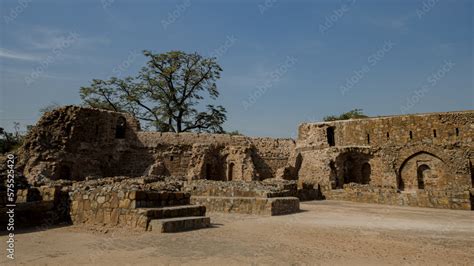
pixel 165 94
pixel 353 114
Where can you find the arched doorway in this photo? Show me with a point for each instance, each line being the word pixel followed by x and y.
pixel 422 174
pixel 351 167
pixel 420 171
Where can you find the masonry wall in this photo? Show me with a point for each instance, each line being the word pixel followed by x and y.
pixel 392 130
pixel 209 156
pixel 427 156
pixel 73 143
pixel 41 207
pixel 120 207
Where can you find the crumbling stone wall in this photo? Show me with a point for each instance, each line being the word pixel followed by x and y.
pixel 426 156
pixel 215 156
pixel 119 206
pixel 41 207
pixel 74 143
pixel 123 201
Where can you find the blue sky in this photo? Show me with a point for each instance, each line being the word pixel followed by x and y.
pixel 284 62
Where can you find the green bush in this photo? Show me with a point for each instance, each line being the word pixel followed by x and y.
pixel 353 114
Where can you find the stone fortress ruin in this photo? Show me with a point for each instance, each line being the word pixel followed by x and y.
pixel 103 170
pixel 423 160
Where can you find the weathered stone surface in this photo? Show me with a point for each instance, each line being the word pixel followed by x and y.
pixel 179 224
pixel 417 160
pixel 78 143
pixel 267 189
pixel 130 203
pixel 249 205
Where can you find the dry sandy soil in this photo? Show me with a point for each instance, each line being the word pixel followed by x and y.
pixel 324 232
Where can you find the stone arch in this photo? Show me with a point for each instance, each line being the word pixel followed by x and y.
pixel 351 167
pixel 419 171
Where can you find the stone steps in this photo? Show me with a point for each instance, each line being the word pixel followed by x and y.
pixel 178 224
pixel 168 212
pixel 174 211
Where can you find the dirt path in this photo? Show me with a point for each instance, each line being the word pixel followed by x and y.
pixel 327 232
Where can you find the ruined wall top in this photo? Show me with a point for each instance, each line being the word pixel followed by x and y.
pixel 153 139
pixel 430 128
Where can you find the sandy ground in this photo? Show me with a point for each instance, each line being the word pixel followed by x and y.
pixel 324 232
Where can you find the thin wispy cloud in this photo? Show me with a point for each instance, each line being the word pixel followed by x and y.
pixel 9 54
pixel 37 43
pixel 45 38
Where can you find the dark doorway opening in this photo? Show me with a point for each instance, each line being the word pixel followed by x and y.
pixel 120 128
pixel 64 172
pixel 366 172
pixel 208 171
pixel 349 171
pixel 330 136
pixel 421 175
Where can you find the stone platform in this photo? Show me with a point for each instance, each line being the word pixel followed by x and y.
pixel 161 211
pixel 249 205
pixel 260 198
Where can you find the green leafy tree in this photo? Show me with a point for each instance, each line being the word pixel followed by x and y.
pixel 165 94
pixel 353 114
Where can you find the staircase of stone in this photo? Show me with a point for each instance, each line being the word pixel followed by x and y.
pixel 171 212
